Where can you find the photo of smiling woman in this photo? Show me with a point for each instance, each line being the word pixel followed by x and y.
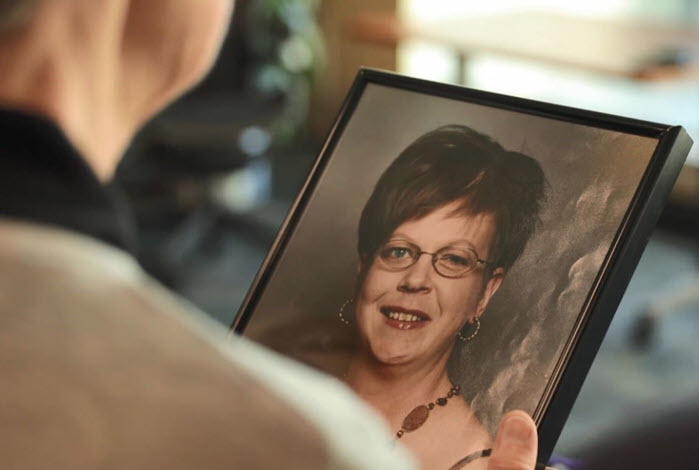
pixel 440 259
pixel 444 224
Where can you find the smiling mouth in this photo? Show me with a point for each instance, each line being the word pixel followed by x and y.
pixel 403 319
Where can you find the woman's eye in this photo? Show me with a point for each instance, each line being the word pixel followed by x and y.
pixel 396 253
pixel 399 252
pixel 456 260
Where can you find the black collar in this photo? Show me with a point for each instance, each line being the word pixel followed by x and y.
pixel 44 179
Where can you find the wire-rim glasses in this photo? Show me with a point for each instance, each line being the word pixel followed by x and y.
pixel 451 262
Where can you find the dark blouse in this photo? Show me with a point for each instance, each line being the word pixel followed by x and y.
pixel 44 179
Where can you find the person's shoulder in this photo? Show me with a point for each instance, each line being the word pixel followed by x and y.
pixel 471 425
pixel 129 371
pixel 472 431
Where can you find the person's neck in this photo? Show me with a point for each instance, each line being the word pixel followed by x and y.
pixel 71 76
pixel 394 390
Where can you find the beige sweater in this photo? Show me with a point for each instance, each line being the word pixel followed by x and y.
pixel 101 368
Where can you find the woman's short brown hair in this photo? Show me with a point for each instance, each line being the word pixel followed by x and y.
pixel 457 164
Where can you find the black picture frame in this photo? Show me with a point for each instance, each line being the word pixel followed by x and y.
pixel 612 278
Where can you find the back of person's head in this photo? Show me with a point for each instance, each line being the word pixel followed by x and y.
pixel 105 67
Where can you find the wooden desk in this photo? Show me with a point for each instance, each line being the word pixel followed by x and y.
pixel 632 50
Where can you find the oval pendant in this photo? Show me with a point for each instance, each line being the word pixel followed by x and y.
pixel 416 418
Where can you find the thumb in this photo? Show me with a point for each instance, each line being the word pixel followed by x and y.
pixel 515 443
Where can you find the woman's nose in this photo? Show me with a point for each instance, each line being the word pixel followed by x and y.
pixel 418 277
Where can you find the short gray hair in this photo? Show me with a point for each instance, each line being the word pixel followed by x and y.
pixel 15 13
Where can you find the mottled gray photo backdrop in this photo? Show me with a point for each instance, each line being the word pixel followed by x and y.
pixel 593 175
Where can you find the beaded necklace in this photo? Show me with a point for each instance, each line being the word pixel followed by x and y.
pixel 417 417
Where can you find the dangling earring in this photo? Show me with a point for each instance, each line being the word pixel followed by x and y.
pixel 342 311
pixel 472 335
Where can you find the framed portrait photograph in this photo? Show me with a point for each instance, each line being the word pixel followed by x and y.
pixel 456 254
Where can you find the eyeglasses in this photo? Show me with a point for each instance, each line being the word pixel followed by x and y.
pixel 451 262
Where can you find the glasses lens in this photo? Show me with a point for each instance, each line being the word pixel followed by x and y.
pixel 455 262
pixel 397 255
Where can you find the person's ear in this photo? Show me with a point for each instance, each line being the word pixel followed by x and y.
pixel 490 289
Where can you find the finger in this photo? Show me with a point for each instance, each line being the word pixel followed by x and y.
pixel 515 443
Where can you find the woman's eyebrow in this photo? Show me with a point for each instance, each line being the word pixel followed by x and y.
pixel 457 243
pixel 401 237
pixel 461 243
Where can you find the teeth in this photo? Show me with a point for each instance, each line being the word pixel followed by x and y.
pixel 405 317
